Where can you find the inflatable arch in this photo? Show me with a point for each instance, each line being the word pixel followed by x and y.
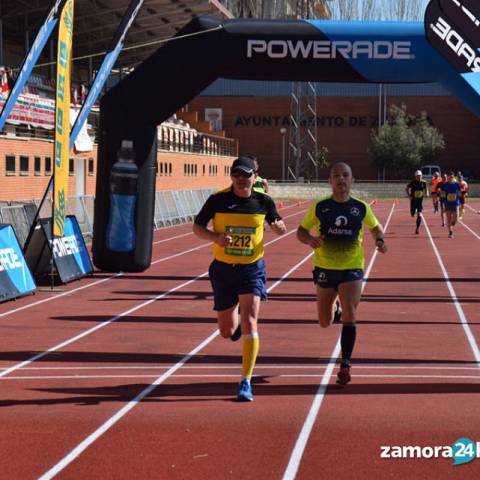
pixel 303 50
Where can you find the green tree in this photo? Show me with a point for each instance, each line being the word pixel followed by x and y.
pixel 405 142
pixel 430 140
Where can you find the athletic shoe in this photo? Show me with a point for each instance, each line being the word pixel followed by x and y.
pixel 443 224
pixel 244 391
pixel 416 231
pixel 236 334
pixel 450 234
pixel 343 375
pixel 337 316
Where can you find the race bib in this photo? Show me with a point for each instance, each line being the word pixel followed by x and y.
pixel 451 197
pixel 418 194
pixel 242 241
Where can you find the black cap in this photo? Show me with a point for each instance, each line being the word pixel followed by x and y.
pixel 245 164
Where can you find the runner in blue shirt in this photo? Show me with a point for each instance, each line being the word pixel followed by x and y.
pixel 452 201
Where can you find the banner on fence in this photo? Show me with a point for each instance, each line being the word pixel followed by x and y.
pixel 15 276
pixel 68 253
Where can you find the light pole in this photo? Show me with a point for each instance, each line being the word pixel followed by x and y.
pixel 283 132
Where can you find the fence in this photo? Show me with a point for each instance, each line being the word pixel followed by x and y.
pixel 172 207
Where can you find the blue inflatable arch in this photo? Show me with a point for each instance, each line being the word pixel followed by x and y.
pixel 304 50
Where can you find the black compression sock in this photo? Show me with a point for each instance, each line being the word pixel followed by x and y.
pixel 347 341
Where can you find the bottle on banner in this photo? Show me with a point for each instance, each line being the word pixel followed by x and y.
pixel 120 236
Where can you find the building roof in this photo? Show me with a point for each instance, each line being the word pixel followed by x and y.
pixel 95 23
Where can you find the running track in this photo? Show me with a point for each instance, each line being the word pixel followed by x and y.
pixel 125 377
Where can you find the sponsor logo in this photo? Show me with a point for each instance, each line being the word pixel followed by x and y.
pixel 325 210
pixel 64 246
pixel 457 44
pixel 9 259
pixel 326 49
pixel 341 221
pixel 232 206
pixel 339 231
pixel 355 211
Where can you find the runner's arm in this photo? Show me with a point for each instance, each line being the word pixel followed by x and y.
pixel 305 237
pixel 378 237
pixel 222 239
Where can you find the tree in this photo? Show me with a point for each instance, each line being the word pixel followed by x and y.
pixel 430 140
pixel 399 10
pixel 405 142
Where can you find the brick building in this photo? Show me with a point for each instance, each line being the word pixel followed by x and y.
pixel 254 113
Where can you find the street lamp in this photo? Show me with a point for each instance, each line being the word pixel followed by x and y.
pixel 283 131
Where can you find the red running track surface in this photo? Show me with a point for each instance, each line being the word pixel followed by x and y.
pixel 124 376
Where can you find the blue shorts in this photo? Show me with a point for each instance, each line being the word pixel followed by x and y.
pixel 229 281
pixel 324 278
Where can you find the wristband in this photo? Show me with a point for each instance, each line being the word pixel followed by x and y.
pixel 380 240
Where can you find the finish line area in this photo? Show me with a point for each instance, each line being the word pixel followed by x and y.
pixel 125 375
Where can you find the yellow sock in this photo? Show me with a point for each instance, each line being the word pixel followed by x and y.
pixel 251 344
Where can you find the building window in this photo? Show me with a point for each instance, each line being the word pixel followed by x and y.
pixel 38 165
pixel 10 165
pixel 24 164
pixel 71 167
pixel 91 167
pixel 48 165
pixel 204 169
pixel 170 169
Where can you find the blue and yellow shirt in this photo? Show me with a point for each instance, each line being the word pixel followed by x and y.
pixel 452 193
pixel 243 219
pixel 341 227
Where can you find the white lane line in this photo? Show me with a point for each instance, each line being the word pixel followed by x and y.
pixel 116 275
pixel 469 229
pixel 453 295
pixel 82 446
pixel 225 375
pixel 172 238
pixel 71 340
pixel 300 444
pixel 235 367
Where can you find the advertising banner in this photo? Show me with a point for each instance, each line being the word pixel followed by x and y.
pixel 68 253
pixel 32 110
pixel 62 119
pixel 31 58
pixel 15 277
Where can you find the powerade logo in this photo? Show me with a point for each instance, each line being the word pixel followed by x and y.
pixel 457 44
pixel 9 260
pixel 462 451
pixel 65 246
pixel 326 49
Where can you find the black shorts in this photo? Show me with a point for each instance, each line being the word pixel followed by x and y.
pixel 416 205
pixel 462 200
pixel 229 281
pixel 442 200
pixel 325 278
pixel 451 208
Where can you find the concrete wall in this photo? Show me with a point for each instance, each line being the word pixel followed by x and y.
pixel 360 190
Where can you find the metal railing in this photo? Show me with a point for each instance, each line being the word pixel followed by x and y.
pixel 172 207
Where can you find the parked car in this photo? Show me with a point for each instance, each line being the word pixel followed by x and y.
pixel 429 170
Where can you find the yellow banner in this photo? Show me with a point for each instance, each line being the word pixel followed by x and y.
pixel 62 119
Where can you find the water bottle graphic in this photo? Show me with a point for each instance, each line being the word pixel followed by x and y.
pixel 123 196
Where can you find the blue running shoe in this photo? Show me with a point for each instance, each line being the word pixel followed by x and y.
pixel 244 391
